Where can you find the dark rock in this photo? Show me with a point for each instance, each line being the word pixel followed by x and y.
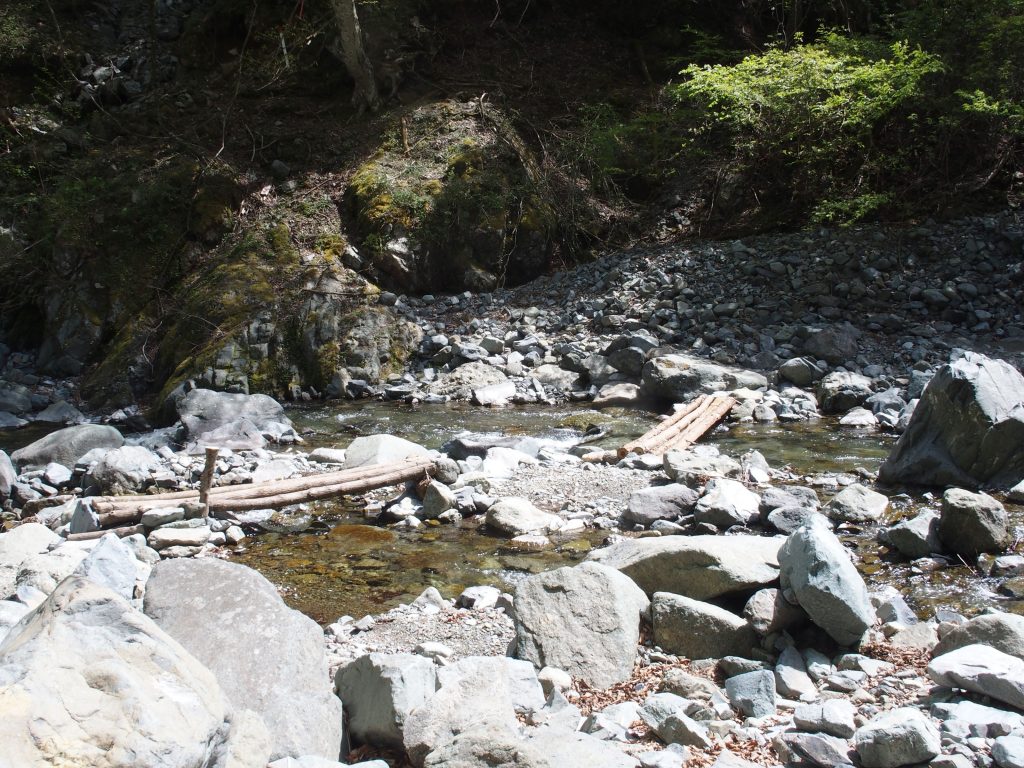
pixel 968 429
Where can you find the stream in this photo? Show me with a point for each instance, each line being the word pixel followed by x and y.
pixel 341 563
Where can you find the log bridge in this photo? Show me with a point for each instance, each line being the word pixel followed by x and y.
pixel 680 430
pixel 122 514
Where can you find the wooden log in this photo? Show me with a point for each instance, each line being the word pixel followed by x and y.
pixel 639 445
pixel 283 492
pixel 670 436
pixel 600 457
pixel 314 494
pixel 108 503
pixel 659 443
pixel 123 516
pixel 307 482
pixel 716 411
pixel 121 532
pixel 35 506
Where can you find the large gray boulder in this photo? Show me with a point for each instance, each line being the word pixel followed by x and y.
pixel 972 523
pixel 700 567
pixel 968 429
pixel 584 620
pixel 914 537
pixel 832 716
pixel 663 502
pixel 726 503
pixel 460 383
pixel 15 398
pixel 802 371
pixel 125 470
pixel 474 693
pixel 1002 631
pixel 203 412
pixel 752 693
pixel 18 545
pixel 835 344
pixel 677 378
pixel 815 566
pixel 380 690
pixel 381 449
pixel 66 446
pixel 8 475
pixel 266 656
pixel 689 469
pixel 903 736
pixel 857 504
pixel 87 680
pixel 699 630
pixel 983 670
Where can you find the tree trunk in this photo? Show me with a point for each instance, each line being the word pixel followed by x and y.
pixel 354 55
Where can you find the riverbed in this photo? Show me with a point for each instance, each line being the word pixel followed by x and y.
pixel 342 563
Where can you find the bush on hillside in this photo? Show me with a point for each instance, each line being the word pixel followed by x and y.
pixel 811 120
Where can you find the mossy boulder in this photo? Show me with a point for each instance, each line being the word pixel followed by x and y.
pixel 453 200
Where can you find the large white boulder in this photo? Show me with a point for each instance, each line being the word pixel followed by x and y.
pixel 266 656
pixel 584 620
pixel 87 680
pixel 700 567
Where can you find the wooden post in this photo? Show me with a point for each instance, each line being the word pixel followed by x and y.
pixel 206 479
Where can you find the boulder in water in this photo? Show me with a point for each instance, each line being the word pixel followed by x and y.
pixel 968 429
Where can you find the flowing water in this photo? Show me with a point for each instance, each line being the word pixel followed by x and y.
pixel 343 565
pixel 332 560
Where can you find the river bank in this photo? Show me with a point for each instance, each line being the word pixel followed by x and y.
pixel 786 605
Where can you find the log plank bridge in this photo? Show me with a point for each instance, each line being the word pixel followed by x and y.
pixel 679 431
pixel 122 514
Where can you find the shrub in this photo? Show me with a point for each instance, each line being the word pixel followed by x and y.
pixel 808 120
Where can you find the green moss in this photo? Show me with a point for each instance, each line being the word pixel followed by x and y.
pixel 241 280
pixel 459 194
pixel 328 359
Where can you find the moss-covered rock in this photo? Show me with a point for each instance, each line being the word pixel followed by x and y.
pixel 459 207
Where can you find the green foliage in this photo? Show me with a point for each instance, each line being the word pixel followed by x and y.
pixel 809 117
pixel 628 154
pixel 982 42
pixel 17 35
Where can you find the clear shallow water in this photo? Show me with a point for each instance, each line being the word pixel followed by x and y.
pixel 356 569
pixel 341 565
